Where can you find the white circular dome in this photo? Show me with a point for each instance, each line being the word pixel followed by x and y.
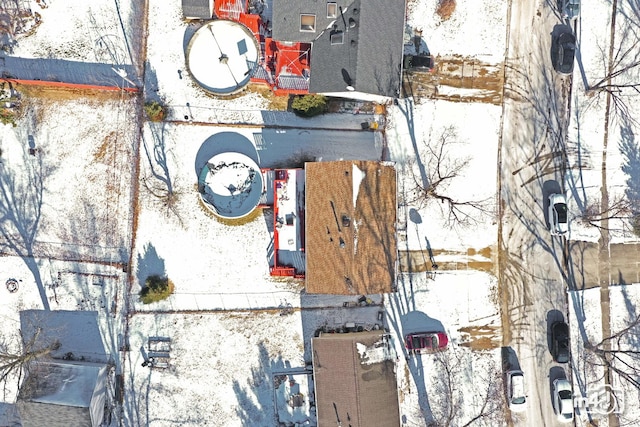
pixel 222 56
pixel 231 184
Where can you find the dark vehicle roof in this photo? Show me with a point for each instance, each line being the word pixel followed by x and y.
pixel 560 329
pixel 566 51
pixel 418 61
pixel 560 334
pixel 561 209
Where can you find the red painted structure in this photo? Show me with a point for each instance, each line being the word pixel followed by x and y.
pixel 288 222
pixel 283 66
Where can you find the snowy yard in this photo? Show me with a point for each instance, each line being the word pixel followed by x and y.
pixel 69 171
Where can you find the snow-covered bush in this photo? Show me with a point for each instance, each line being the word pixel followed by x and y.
pixel 156 289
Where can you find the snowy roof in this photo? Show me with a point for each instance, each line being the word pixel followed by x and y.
pixel 197 9
pixel 350 215
pixel 360 46
pixel 354 380
pixel 232 184
pixel 63 394
pixel 222 56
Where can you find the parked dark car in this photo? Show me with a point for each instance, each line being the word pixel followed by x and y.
pixel 560 342
pixel 564 51
pixel 426 342
pixel 417 62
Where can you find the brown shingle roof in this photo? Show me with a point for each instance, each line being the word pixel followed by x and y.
pixel 359 258
pixel 348 387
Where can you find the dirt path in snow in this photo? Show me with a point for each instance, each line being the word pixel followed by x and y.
pixel 457 79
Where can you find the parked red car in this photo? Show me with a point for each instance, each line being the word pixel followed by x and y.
pixel 426 342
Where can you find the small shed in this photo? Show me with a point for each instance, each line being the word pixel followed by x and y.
pixel 197 9
pixel 62 394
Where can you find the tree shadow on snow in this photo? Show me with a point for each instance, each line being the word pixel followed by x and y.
pixel 255 395
pixel 631 166
pixel 21 200
pixel 224 142
pixel 149 264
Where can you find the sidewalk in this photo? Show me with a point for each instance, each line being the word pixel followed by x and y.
pixel 274 119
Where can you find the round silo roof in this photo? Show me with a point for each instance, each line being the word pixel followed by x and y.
pixel 222 56
pixel 231 184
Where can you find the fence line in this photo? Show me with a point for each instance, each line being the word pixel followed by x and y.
pixel 67 85
pixel 286 301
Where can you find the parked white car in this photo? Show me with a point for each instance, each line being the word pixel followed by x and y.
pixel 558 215
pixel 516 397
pixel 563 400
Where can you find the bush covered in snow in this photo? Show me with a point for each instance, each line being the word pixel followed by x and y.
pixel 156 289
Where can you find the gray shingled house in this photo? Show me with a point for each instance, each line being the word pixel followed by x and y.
pixel 197 9
pixel 357 46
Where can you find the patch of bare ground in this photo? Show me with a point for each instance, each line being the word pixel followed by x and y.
pixel 480 81
pixel 45 93
pixel 445 9
pixel 407 382
pixel 276 102
pixel 478 338
pixel 417 261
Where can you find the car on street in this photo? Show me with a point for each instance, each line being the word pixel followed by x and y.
pixel 564 51
pixel 563 400
pixel 560 342
pixel 516 398
pixel 570 9
pixel 426 342
pixel 418 62
pixel 558 218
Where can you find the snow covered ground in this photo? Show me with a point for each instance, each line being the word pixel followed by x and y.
pixel 594 400
pixel 222 364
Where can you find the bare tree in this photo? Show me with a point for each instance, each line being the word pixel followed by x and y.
pixel 622 67
pixel 618 353
pixel 616 361
pixel 14 363
pixel 450 398
pixel 159 183
pixel 441 169
pixel 594 213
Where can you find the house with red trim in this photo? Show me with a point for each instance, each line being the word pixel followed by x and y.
pixel 335 226
pixel 344 48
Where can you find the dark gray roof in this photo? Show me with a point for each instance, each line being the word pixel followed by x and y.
pixel 201 9
pixel 370 57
